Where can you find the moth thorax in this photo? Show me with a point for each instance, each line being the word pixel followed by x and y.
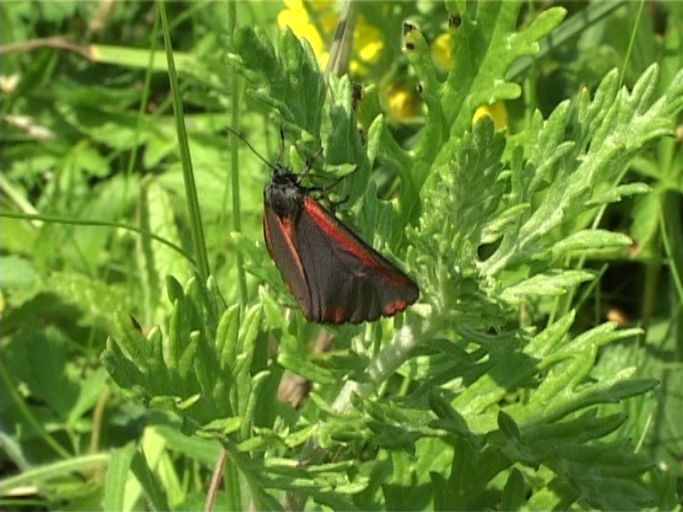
pixel 284 198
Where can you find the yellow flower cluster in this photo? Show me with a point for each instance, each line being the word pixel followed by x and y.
pixel 316 20
pixel 404 104
pixel 441 51
pixel 496 111
pixel 367 39
pixel 295 16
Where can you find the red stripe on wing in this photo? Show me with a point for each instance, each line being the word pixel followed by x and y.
pixel 280 238
pixel 334 229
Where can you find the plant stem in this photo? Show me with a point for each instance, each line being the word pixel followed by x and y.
pixel 193 209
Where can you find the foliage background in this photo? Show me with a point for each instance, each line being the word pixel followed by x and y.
pixel 126 369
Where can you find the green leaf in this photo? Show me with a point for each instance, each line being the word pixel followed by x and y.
pixel 508 426
pixel 620 191
pixel 227 336
pixel 118 474
pixel 224 425
pixel 306 369
pixel 149 483
pixel 180 369
pixel 485 395
pixel 18 273
pixel 294 83
pixel 588 240
pixel 157 216
pixel 117 129
pixel 39 361
pixel 552 283
pixel 493 52
pixel 204 450
pixel 93 385
pixel 98 299
pixel 617 124
pixel 514 492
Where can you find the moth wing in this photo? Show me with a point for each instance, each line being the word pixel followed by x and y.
pixel 281 240
pixel 348 280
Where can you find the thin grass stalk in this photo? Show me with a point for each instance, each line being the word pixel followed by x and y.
pixel 193 209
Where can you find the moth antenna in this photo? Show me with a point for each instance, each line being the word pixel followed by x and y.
pixel 282 144
pixel 243 139
pixel 311 161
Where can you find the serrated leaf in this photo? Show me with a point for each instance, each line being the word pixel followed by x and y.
pixel 552 283
pixel 224 425
pixel 616 194
pixel 99 299
pixel 306 369
pixel 588 240
pixel 295 84
pixel 585 427
pixel 616 124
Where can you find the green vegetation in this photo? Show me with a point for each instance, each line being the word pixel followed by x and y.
pixel 524 165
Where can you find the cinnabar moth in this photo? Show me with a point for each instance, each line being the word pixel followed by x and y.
pixel 334 275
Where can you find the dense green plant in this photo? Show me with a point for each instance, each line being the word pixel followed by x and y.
pixel 485 394
pixel 492 406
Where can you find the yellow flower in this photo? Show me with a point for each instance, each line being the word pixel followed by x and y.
pixel 367 39
pixel 328 21
pixel 357 68
pixel 441 51
pixel 296 18
pixel 403 104
pixel 497 112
